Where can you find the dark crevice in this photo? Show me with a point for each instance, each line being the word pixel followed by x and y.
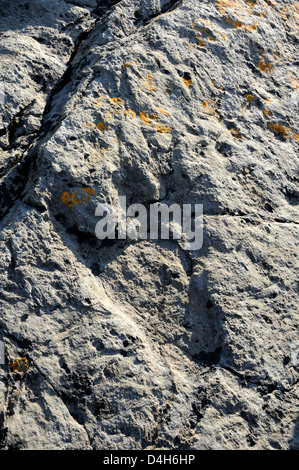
pixel 12 187
pixel 265 386
pixel 167 8
pixel 25 167
pixel 105 6
pixel 14 128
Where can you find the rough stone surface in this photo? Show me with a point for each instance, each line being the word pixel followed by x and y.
pixel 141 344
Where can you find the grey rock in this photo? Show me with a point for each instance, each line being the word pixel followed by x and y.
pixel 142 344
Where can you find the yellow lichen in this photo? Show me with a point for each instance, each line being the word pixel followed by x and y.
pixel 209 109
pixel 88 124
pixel 150 120
pixel 128 64
pixel 162 128
pixel 236 133
pixel 147 118
pixel 102 127
pixel 19 365
pixel 294 82
pixel 117 101
pixel 162 111
pixel 109 116
pixel 200 41
pixel 235 13
pixel 100 100
pixel 149 82
pixel 280 129
pixel 70 200
pixel 205 33
pixel 263 65
pixel 267 113
pixel 131 113
pixel 187 83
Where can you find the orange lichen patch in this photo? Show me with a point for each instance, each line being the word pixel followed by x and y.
pixel 90 191
pixel 263 65
pixel 236 133
pixel 131 113
pixel 277 57
pixel 221 88
pixel 236 11
pixel 280 130
pixel 149 82
pixel 249 98
pixel 236 24
pixel 223 5
pixel 19 365
pixel 67 199
pixel 117 101
pixel 239 25
pixel 128 64
pixel 200 41
pixel 209 109
pixel 250 27
pixel 290 12
pixel 100 100
pixel 162 128
pixel 89 124
pixel 163 112
pixel 117 109
pixel 251 3
pixel 294 82
pixel 207 22
pixel 102 126
pixel 117 104
pixel 109 116
pixel 187 83
pixel 283 12
pixel 204 33
pixel 267 113
pixel 150 120
pixel 284 131
pixel 70 200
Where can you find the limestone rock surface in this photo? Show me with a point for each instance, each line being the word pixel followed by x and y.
pixel 141 344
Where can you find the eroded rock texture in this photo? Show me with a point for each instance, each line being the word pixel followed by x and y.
pixel 142 344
